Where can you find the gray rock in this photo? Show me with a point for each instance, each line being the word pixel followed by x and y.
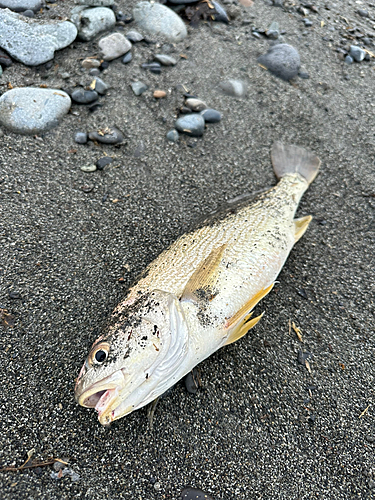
pixel 94 72
pixel 273 31
pixel 173 135
pixel 107 136
pixel 220 14
pixel 211 115
pixel 195 104
pixel 139 87
pixel 165 60
pixel 28 13
pixel 158 19
pixel 1 70
pixel 90 22
pixel 32 42
pixel 89 63
pixel 96 3
pixel 191 125
pixel 100 86
pixel 113 46
pixel 282 60
pixel 82 96
pixel 80 138
pixel 307 22
pixel 32 110
pixel 103 162
pixel 177 2
pixel 134 36
pixel 233 88
pixel 349 60
pixel 21 5
pixel 5 60
pixel 357 53
pixel 127 58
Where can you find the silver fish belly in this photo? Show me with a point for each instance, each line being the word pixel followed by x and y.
pixel 197 296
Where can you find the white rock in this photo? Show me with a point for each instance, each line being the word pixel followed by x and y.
pixel 113 46
pixel 160 20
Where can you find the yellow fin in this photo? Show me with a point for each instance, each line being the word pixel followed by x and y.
pixel 201 284
pixel 242 329
pixel 300 226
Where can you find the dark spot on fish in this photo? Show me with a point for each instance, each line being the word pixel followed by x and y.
pixel 144 337
pixel 146 376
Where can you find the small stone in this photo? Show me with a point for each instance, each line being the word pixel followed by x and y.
pixel 100 86
pixel 88 168
pixel 113 46
pixel 107 136
pixel 158 19
pixel 21 5
pixel 273 31
pixel 278 3
pixel 371 484
pixel 307 22
pixel 139 87
pixel 154 67
pixel 94 72
pixel 124 18
pixel 173 135
pixel 28 13
pixel 82 96
pixel 349 60
pixel 159 94
pixel 33 110
pixel 211 115
pixel 140 149
pixel 303 75
pixel 5 60
pixel 157 486
pixel 282 60
pixel 370 439
pixel 14 295
pixel 103 162
pixel 80 137
pixel 134 36
pixel 191 125
pixel 65 75
pixel 104 65
pixel 234 88
pixel 220 13
pixel 195 104
pixel 192 381
pixel 127 58
pixel 89 63
pixel 357 53
pixel 1 70
pixel 165 60
pixel 362 12
pixel 97 3
pixel 87 188
pixel 90 22
pixel 190 493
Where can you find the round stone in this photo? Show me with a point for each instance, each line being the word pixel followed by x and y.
pixel 21 5
pixel 88 168
pixel 28 13
pixel 233 88
pixel 90 22
pixel 165 60
pixel 195 104
pixel 211 115
pixel 173 135
pixel 80 137
pixel 127 58
pixel 104 161
pixel 134 36
pixel 82 96
pixel 158 19
pixel 113 46
pixel 282 60
pixel 5 60
pixel 94 72
pixel 89 63
pixel 349 60
pixel 107 136
pixel 159 94
pixel 191 125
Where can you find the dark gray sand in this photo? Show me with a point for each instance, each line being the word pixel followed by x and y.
pixel 262 426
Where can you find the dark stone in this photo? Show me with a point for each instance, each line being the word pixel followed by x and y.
pixel 104 65
pixel 80 137
pixel 102 162
pixel 127 58
pixel 5 60
pixel 282 60
pixel 211 115
pixel 82 96
pixel 154 67
pixel 14 295
pixel 191 124
pixel 190 493
pixel 94 72
pixel 28 13
pixel 220 14
pixel 192 381
pixel 304 75
pixel 125 18
pixel 134 36
pixel 107 136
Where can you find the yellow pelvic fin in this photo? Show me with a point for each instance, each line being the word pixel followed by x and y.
pixel 300 226
pixel 201 284
pixel 242 329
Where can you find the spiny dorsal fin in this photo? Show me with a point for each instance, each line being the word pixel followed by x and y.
pixel 202 283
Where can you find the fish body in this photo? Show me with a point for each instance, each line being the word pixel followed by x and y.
pixel 197 295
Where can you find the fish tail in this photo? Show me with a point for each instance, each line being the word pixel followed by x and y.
pixel 290 159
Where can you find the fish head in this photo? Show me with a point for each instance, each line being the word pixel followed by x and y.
pixel 137 359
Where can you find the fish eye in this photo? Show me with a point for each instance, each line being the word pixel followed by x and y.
pixel 99 354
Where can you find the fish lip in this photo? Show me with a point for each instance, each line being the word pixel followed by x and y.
pixel 114 381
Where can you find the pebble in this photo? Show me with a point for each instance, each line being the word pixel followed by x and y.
pixel 107 136
pixel 100 86
pixel 158 19
pixel 362 12
pixel 134 36
pixel 192 381
pixel 127 58
pixel 195 104
pixel 28 13
pixel 80 137
pixel 113 46
pixel 191 124
pixel 94 72
pixel 220 13
pixel 211 115
pixel 33 42
pixel 307 22
pixel 33 110
pixel 124 18
pixel 1 70
pixel 139 87
pixel 90 63
pixel 154 67
pixel 173 135
pixel 282 60
pixel 97 3
pixel 103 162
pixel 234 88
pixel 159 94
pixel 357 53
pixel 273 31
pixel 82 96
pixel 304 75
pixel 5 60
pixel 14 295
pixel 21 5
pixel 88 168
pixel 190 493
pixel 90 22
pixel 349 60
pixel 165 60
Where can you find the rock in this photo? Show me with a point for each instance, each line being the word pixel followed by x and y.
pixel 107 136
pixel 159 94
pixel 158 19
pixel 233 88
pixel 173 135
pixel 304 75
pixel 362 12
pixel 21 5
pixel 134 36
pixel 80 137
pixel 195 104
pixel 349 60
pixel 191 125
pixel 273 31
pixel 28 13
pixel 32 110
pixel 282 60
pixel 1 70
pixel 307 22
pixel 124 18
pixel 190 493
pixel 100 86
pixel 90 63
pixel 103 162
pixel 154 67
pixel 220 14
pixel 33 42
pixel 211 115
pixel 192 381
pixel 65 75
pixel 82 96
pixel 165 60
pixel 127 58
pixel 88 168
pixel 357 53
pixel 5 60
pixel 113 46
pixel 94 72
pixel 139 87
pixel 96 3
pixel 90 22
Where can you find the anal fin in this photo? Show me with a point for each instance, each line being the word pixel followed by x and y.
pixel 300 226
pixel 242 329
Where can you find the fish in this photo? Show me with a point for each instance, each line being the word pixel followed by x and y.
pixel 198 295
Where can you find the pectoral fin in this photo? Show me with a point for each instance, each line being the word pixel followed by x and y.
pixel 202 283
pixel 300 226
pixel 242 328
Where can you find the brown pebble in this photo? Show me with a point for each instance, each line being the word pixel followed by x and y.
pixel 159 94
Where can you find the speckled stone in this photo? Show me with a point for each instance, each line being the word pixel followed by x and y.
pixel 90 22
pixel 191 125
pixel 114 46
pixel 282 60
pixel 107 136
pixel 21 5
pixel 158 19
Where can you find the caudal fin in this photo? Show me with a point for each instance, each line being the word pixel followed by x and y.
pixel 289 159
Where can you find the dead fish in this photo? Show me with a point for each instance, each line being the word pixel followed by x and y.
pixel 197 296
